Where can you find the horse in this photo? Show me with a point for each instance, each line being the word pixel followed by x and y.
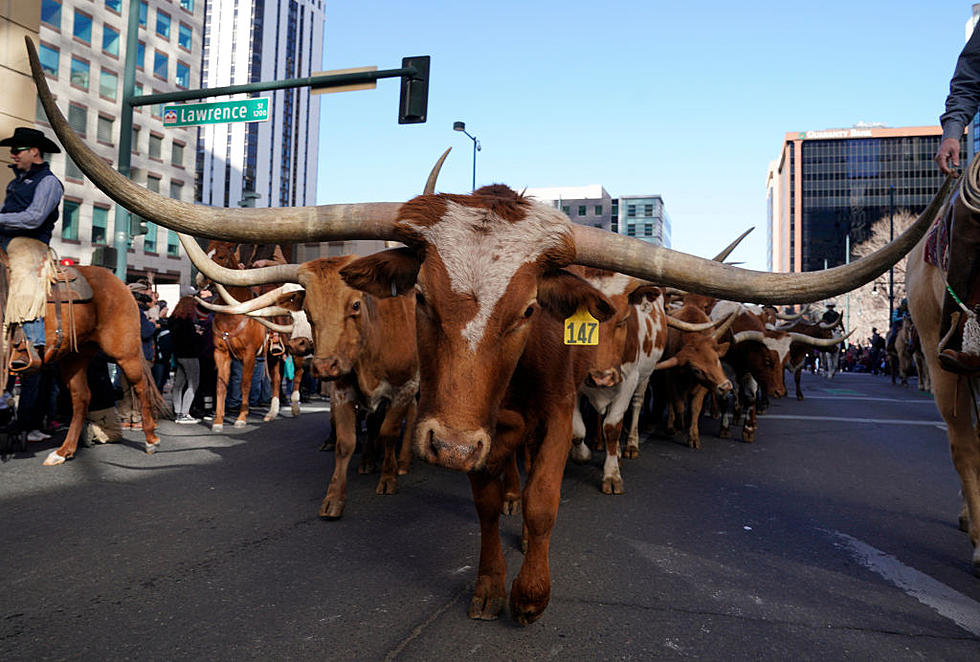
pixel 75 331
pixel 238 336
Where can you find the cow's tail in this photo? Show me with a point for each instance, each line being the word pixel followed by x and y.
pixel 158 404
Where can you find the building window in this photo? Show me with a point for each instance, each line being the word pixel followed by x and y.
pixel 188 5
pixel 49 60
pixel 69 220
pixel 114 5
pixel 631 210
pixel 110 41
pixel 177 154
pixel 144 11
pixel 108 84
pixel 136 139
pixel 163 24
pixel 173 244
pixel 153 183
pixel 183 74
pixel 100 216
pixel 77 118
pixel 39 114
pixel 176 190
pixel 648 210
pixel 104 129
pixel 51 13
pixel 598 210
pixel 160 64
pixel 150 239
pixel 185 36
pixel 566 210
pixel 140 54
pixel 648 230
pixel 156 145
pixel 581 210
pixel 82 30
pixel 72 171
pixel 79 73
pixel 631 230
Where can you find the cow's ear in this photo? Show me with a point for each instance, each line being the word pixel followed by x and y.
pixel 642 292
pixel 562 292
pixel 385 274
pixel 292 300
pixel 722 349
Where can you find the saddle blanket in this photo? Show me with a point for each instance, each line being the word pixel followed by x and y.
pixel 936 250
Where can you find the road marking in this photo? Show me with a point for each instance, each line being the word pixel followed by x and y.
pixel 950 603
pixel 844 419
pixel 851 397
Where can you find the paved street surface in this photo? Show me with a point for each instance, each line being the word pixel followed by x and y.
pixel 832 537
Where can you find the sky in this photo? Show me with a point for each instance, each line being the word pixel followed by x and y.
pixel 688 100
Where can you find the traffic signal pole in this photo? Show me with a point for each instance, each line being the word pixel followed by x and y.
pixel 413 105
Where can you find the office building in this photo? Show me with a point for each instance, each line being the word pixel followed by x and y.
pixel 17 103
pixel 83 51
pixel 827 184
pixel 642 216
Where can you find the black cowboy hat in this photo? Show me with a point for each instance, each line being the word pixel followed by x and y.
pixel 26 137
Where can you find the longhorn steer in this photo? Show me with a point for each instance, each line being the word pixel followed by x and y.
pixel 630 345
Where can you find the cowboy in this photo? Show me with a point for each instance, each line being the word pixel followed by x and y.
pixel 27 220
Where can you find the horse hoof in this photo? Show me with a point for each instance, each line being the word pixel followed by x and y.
pixel 295 409
pixel 240 423
pixel 152 448
pixel 217 427
pixel 53 459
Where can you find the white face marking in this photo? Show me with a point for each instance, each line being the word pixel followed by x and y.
pixel 780 346
pixel 301 325
pixel 482 252
pixel 610 285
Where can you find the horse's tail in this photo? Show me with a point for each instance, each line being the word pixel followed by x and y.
pixel 158 404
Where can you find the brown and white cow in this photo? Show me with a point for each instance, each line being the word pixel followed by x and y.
pixel 630 345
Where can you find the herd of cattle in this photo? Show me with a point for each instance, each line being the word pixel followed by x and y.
pixel 462 329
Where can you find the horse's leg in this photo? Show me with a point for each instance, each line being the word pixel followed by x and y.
pixel 141 378
pixel 222 365
pixel 73 372
pixel 275 371
pixel 248 368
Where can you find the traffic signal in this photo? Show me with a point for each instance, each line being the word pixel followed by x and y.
pixel 66 262
pixel 414 102
pixel 104 256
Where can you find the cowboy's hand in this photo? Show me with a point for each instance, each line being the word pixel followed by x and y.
pixel 948 155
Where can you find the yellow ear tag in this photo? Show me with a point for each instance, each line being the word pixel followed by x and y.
pixel 581 328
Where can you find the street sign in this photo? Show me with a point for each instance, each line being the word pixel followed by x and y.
pixel 243 110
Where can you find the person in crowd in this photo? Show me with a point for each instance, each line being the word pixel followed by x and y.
pixel 163 350
pixel 27 220
pixel 129 405
pixel 877 350
pixel 186 338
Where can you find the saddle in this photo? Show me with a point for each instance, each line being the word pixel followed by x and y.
pixel 68 287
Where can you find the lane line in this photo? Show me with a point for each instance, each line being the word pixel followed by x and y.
pixel 844 419
pixel 863 397
pixel 950 603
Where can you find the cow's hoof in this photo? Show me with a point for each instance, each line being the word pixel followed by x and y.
pixel 976 561
pixel 367 467
pixel 331 510
pixel 799 396
pixel 612 485
pixel 217 427
pixel 964 523
pixel 265 419
pixel 151 448
pixel 694 442
pixel 240 423
pixel 403 468
pixel 295 409
pixel 53 459
pixel 631 452
pixel 748 435
pixel 580 454
pixel 487 602
pixel 525 606
pixel 387 485
pixel 512 506
pixel 725 433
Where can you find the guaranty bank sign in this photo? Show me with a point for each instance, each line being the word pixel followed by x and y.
pixel 244 110
pixel 834 134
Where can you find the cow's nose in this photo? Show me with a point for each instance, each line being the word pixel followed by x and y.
pixel 600 378
pixel 724 387
pixel 452 449
pixel 328 368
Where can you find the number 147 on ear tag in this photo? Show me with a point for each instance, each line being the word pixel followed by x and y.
pixel 581 328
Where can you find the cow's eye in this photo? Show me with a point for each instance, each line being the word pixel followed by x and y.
pixel 419 298
pixel 529 311
pixel 356 306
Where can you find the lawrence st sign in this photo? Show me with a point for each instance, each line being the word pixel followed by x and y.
pixel 243 110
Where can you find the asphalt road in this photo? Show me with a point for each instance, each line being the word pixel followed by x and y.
pixel 832 537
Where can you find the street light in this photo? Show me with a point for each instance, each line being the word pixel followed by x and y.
pixel 461 126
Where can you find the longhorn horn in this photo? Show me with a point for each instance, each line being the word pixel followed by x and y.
pixel 792 317
pixel 667 364
pixel 818 342
pixel 745 336
pixel 249 306
pixel 277 273
pixel 723 255
pixel 430 183
pixel 634 257
pixel 689 326
pixel 828 325
pixel 252 225
pixel 721 330
pixel 595 247
pixel 272 326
